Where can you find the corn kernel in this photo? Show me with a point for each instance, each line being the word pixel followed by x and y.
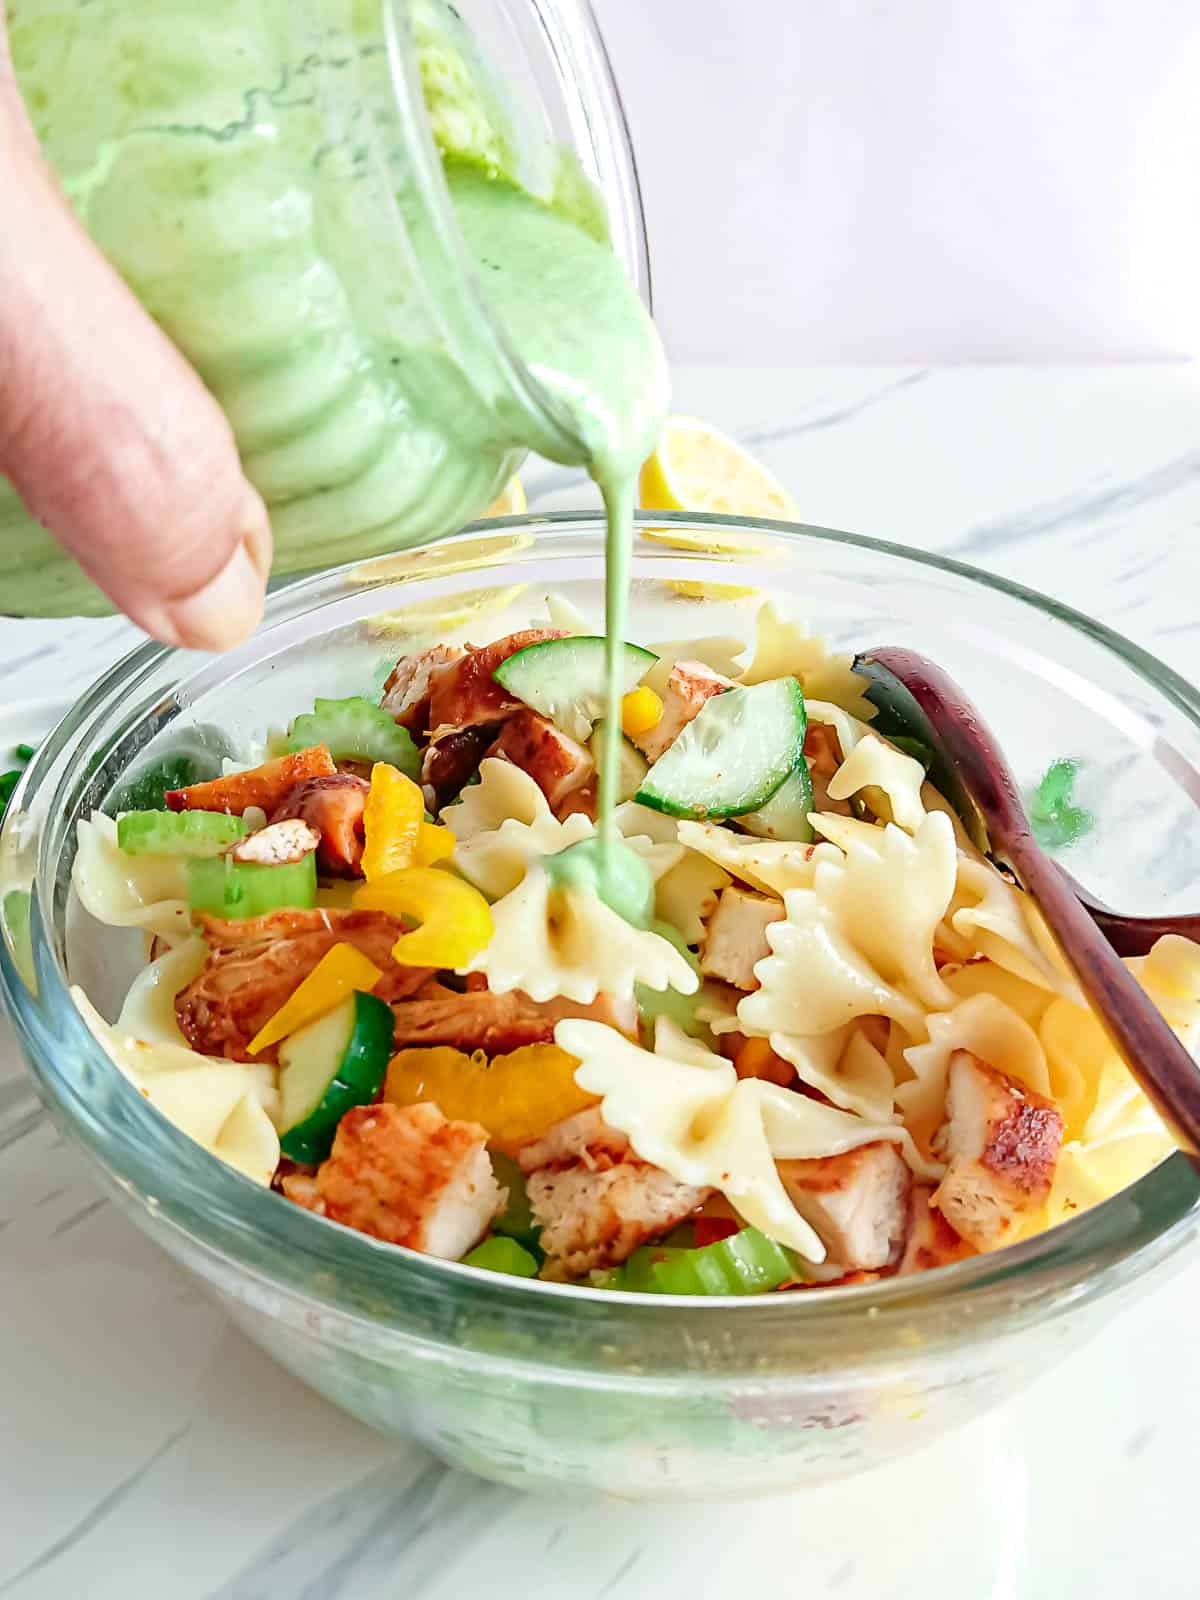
pixel 640 711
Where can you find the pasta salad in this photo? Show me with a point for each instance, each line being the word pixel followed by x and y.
pixel 817 1037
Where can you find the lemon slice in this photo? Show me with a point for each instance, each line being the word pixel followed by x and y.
pixel 444 611
pixel 697 468
pixel 692 589
pixel 510 502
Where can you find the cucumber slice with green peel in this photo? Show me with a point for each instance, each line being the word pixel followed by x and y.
pixel 785 815
pixel 329 1067
pixel 178 833
pixel 238 890
pixel 733 756
pixel 355 730
pixel 565 679
pixel 632 765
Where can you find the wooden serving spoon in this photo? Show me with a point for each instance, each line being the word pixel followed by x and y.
pixel 971 772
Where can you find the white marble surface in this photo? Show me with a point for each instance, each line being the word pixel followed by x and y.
pixel 146 1450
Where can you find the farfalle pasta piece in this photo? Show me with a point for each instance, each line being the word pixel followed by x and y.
pixel 843 1066
pixel 785 649
pixel 987 1028
pixel 225 1106
pixel 815 980
pixel 1002 922
pixel 550 941
pixel 126 891
pixel 889 894
pixel 770 865
pixel 148 1010
pixel 875 768
pixel 685 1110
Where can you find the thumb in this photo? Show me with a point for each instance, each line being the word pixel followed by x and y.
pixel 106 433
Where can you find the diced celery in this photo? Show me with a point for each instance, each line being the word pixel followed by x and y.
pixel 178 833
pixel 501 1254
pixel 239 890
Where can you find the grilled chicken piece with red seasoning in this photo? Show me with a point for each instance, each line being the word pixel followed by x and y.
pixel 253 966
pixel 931 1241
pixel 857 1203
pixel 1001 1142
pixel 689 688
pixel 279 844
pixel 594 1200
pixel 556 763
pixel 464 694
pixel 334 807
pixel 406 1175
pixel 407 692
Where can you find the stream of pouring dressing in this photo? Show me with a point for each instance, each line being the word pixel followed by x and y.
pixel 582 331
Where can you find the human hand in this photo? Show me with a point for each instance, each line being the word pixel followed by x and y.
pixel 106 433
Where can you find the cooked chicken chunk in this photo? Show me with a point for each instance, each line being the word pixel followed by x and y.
pixel 690 685
pixel 555 762
pixel 493 1023
pixel 406 1175
pixel 931 1241
pixel 406 694
pixel 253 966
pixel 278 844
pixel 334 807
pixel 594 1200
pixel 857 1202
pixel 735 935
pixel 1001 1142
pixel 463 692
pixel 823 752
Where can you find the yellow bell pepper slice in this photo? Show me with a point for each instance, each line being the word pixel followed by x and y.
pixel 516 1097
pixel 434 843
pixel 455 919
pixel 339 973
pixel 392 819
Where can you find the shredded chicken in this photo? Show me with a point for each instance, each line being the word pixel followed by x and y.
pixel 406 1175
pixel 931 1241
pixel 856 1201
pixel 407 692
pixel 690 686
pixel 253 966
pixel 1002 1143
pixel 334 807
pixel 278 844
pixel 493 1023
pixel 594 1200
pixel 557 764
pixel 735 936
pixel 463 692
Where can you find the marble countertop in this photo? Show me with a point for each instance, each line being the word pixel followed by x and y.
pixel 147 1450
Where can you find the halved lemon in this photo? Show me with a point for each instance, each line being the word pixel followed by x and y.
pixel 510 502
pixel 698 468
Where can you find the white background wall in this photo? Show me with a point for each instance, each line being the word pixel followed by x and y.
pixel 917 180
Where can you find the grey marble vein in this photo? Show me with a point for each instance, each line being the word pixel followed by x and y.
pixel 831 419
pixel 99 1512
pixel 1057 515
pixel 386 1525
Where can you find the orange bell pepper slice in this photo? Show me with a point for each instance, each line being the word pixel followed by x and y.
pixel 516 1096
pixel 339 973
pixel 392 820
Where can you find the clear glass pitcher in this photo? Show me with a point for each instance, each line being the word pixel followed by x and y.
pixel 270 177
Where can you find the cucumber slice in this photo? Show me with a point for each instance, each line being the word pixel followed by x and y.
pixel 785 815
pixel 238 890
pixel 329 1067
pixel 733 756
pixel 178 833
pixel 632 765
pixel 355 730
pixel 564 679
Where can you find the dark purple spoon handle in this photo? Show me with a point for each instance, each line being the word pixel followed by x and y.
pixel 1131 936
pixel 1157 1059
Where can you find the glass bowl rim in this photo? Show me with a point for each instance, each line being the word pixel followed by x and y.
pixel 1099 1244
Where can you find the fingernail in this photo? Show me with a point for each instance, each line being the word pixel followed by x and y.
pixel 228 607
pixel 258 533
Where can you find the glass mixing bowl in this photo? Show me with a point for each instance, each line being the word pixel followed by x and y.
pixel 533 1383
